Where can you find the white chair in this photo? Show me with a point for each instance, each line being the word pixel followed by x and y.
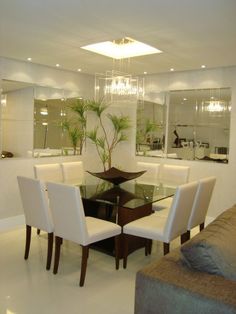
pixel 48 172
pixel 171 175
pixel 168 228
pixel 151 176
pixel 200 205
pixel 37 213
pixel 73 172
pixel 70 223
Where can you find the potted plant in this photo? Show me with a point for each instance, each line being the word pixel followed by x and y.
pixel 105 139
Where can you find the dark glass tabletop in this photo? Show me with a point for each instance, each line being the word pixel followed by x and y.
pixel 129 194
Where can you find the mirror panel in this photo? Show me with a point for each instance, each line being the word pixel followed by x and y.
pixel 150 132
pixel 198 125
pixel 32 118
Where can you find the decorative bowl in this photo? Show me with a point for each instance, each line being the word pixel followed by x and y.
pixel 117 176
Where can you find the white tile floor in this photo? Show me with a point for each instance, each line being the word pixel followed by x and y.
pixel 27 288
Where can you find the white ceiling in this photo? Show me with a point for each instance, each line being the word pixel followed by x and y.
pixel 189 32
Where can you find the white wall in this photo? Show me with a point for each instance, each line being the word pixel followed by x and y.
pixel 82 84
pixel 224 194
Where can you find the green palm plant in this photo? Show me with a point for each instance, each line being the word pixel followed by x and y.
pixel 105 144
pixel 76 127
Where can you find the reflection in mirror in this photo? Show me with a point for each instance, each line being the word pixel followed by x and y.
pixel 199 123
pixel 197 129
pixel 150 135
pixel 58 129
pixel 32 119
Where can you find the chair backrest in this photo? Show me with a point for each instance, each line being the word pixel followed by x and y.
pixel 67 212
pixel 73 172
pixel 174 175
pixel 151 176
pixel 48 172
pixel 177 220
pixel 201 201
pixel 35 204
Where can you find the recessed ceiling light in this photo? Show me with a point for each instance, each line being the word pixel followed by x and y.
pixel 79 70
pixel 29 59
pixel 144 72
pixel 203 66
pixel 185 99
pixel 122 48
pixel 57 65
pixel 172 69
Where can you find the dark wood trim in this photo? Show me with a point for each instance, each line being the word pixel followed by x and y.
pixel 166 248
pixel 58 243
pixel 117 250
pixel 85 250
pixel 201 226
pixel 185 237
pixel 38 231
pixel 50 248
pixel 27 241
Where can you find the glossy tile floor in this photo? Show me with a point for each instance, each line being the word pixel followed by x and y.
pixel 27 288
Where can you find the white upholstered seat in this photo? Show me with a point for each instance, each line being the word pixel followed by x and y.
pixel 37 213
pixel 71 224
pixel 151 176
pixel 73 172
pixel 48 172
pixel 168 228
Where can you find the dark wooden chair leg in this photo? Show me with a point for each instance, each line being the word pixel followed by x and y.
pixel 166 247
pixel 146 247
pixel 27 241
pixel 201 226
pixel 126 248
pixel 117 251
pixel 38 231
pixel 85 250
pixel 185 237
pixel 149 247
pixel 57 254
pixel 50 247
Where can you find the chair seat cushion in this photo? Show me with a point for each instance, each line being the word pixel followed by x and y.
pixel 213 250
pixel 99 229
pixel 150 227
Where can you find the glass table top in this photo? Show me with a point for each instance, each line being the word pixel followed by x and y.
pixel 129 194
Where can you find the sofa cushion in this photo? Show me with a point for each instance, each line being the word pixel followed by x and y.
pixel 213 250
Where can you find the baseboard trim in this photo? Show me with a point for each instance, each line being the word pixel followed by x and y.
pixel 208 220
pixel 11 223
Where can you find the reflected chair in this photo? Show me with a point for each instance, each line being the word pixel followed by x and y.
pixel 71 224
pixel 164 229
pixel 151 176
pixel 200 206
pixel 171 175
pixel 37 213
pixel 48 172
pixel 73 172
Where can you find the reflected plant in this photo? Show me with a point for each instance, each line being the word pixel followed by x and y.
pixel 76 127
pixel 105 144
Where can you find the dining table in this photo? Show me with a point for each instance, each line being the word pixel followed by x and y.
pixel 121 204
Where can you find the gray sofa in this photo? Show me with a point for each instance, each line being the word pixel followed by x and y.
pixel 199 277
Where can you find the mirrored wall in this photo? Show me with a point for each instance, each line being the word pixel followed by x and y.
pixel 38 121
pixel 190 125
